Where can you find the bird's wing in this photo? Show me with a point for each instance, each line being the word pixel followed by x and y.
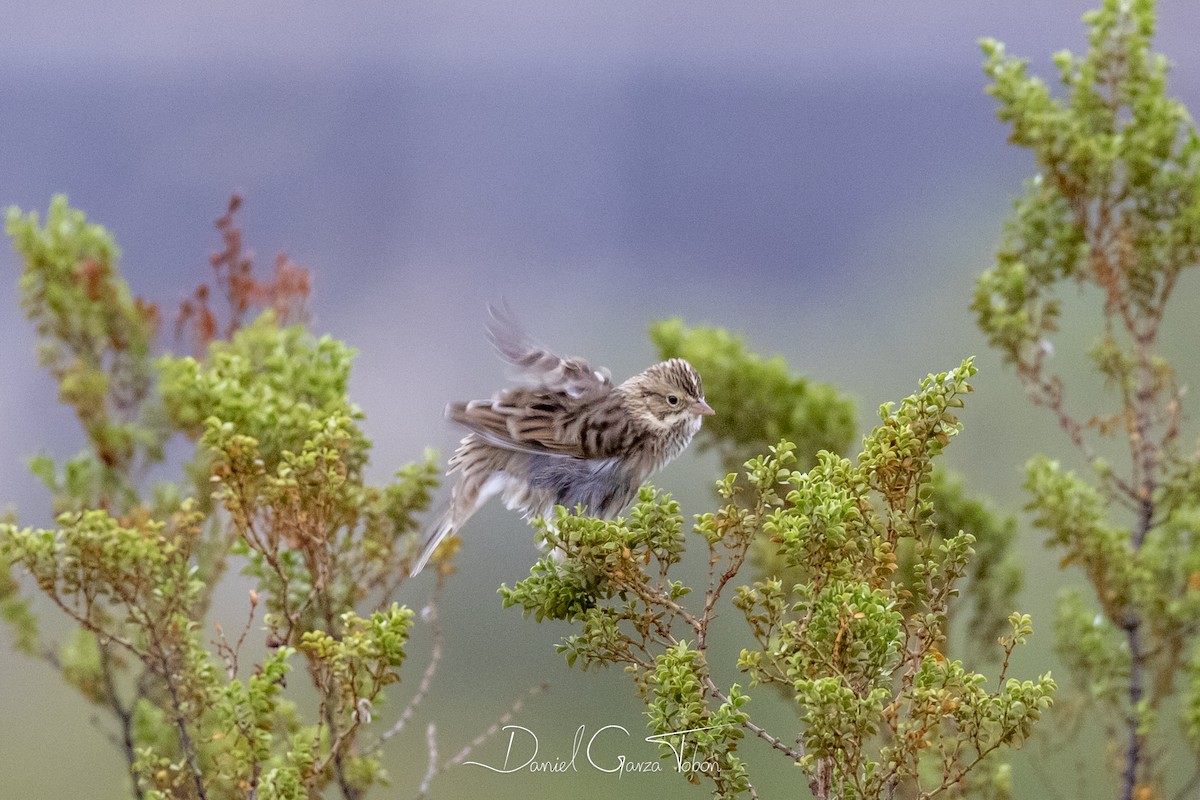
pixel 528 421
pixel 537 366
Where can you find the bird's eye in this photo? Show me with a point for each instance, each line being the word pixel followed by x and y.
pixel 672 400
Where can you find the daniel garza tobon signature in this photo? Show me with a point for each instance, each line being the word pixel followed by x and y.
pixel 523 744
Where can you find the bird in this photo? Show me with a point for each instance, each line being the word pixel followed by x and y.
pixel 565 435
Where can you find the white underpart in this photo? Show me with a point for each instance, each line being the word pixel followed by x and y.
pixel 512 494
pixel 497 483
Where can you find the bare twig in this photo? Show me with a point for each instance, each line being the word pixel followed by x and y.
pixel 431 769
pixel 495 728
pixel 435 658
pixel 186 746
pixel 124 716
pixel 229 653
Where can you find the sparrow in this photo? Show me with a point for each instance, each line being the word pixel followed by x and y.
pixel 566 435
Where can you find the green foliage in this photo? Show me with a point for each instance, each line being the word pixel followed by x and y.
pixel 95 339
pixel 285 458
pixel 1117 151
pixel 265 382
pixel 276 487
pixel 675 703
pixel 1091 647
pixel 994 577
pixel 1115 207
pixel 760 402
pixel 856 643
pixel 16 612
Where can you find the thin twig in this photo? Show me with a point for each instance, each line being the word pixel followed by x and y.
pixel 761 733
pixel 435 658
pixel 124 717
pixel 495 728
pixel 230 653
pixel 185 740
pixel 432 769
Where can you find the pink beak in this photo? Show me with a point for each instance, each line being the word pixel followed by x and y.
pixel 702 409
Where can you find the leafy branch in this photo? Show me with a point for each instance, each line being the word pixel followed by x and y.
pixel 878 701
pixel 275 486
pixel 1114 208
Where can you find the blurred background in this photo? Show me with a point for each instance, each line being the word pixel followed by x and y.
pixel 825 178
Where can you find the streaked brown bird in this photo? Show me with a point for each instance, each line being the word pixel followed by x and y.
pixel 566 436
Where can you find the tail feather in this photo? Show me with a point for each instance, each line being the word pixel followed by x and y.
pixel 472 492
pixel 434 537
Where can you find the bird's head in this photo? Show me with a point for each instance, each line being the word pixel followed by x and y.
pixel 667 396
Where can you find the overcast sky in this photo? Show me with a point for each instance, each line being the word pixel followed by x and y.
pixel 601 36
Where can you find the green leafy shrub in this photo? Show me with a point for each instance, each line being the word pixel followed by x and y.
pixel 855 642
pixel 1114 209
pixel 275 486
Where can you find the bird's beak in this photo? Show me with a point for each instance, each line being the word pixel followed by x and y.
pixel 702 409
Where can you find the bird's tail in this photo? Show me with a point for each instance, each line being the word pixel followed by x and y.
pixel 477 485
pixel 433 537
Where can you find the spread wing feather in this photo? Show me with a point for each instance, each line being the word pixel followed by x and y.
pixel 538 367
